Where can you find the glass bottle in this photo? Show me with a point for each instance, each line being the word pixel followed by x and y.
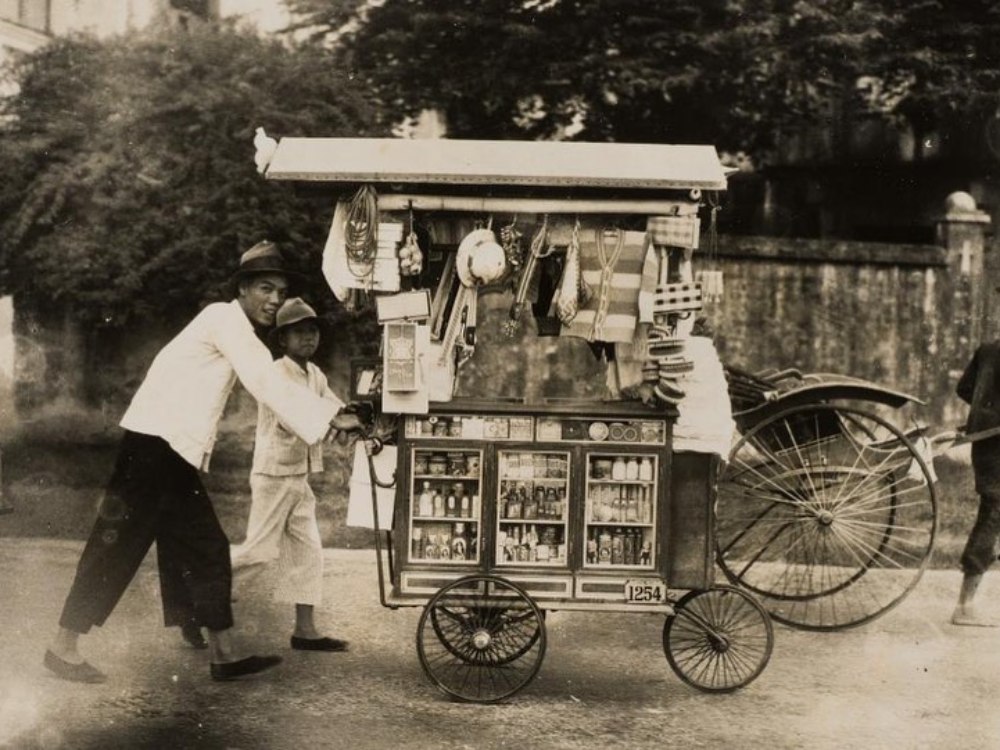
pixel 604 547
pixel 628 548
pixel 632 469
pixel 459 542
pixel 438 504
pixel 617 547
pixel 618 468
pixel 618 506
pixel 451 506
pixel 425 503
pixel 417 543
pixel 632 506
pixel 646 469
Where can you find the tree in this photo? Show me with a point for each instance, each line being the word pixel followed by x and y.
pixel 130 185
pixel 730 72
pixel 735 73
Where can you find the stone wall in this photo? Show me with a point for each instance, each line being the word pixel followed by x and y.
pixel 904 316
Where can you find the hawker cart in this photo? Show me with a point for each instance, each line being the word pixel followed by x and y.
pixel 506 511
pixel 504 508
pixel 826 509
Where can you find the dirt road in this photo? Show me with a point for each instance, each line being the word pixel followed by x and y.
pixel 908 680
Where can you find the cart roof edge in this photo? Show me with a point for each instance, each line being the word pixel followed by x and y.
pixel 515 163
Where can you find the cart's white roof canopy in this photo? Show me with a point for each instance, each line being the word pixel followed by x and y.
pixel 515 163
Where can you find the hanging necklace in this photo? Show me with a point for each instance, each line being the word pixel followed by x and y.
pixel 602 254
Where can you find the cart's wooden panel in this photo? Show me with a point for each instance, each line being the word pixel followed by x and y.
pixel 690 530
pixel 542 586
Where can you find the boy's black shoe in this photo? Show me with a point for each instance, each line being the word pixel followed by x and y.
pixel 318 644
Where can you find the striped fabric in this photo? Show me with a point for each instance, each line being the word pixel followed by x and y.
pixel 621 272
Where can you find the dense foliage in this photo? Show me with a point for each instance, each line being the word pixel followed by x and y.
pixel 735 73
pixel 130 185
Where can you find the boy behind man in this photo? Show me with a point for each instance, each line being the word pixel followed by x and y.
pixel 282 524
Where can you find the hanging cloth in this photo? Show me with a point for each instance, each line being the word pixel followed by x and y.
pixel 619 267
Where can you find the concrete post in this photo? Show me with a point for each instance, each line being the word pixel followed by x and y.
pixel 961 231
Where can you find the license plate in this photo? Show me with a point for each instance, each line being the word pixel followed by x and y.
pixel 646 591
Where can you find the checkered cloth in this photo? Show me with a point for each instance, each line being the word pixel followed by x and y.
pixel 675 231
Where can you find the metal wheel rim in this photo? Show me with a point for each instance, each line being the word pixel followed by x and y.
pixel 880 526
pixel 481 639
pixel 697 654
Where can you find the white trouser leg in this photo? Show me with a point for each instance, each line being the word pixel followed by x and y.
pixel 272 500
pixel 301 560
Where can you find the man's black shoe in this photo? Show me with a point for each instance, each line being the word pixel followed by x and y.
pixel 318 644
pixel 82 672
pixel 232 670
pixel 192 634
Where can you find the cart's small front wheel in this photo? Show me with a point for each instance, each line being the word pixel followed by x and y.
pixel 481 639
pixel 718 640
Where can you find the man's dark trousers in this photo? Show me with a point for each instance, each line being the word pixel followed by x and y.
pixel 154 495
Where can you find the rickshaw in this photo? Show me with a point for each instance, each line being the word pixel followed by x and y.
pixel 826 509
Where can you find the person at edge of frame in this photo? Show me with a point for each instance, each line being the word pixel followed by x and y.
pixel 155 492
pixel 282 526
pixel 979 387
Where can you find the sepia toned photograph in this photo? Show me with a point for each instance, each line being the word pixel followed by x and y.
pixel 478 374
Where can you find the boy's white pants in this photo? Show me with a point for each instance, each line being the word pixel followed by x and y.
pixel 282 527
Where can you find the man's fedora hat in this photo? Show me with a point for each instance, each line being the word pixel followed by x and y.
pixel 264 257
pixel 293 310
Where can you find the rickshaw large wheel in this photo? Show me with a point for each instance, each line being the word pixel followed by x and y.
pixel 481 639
pixel 718 640
pixel 827 513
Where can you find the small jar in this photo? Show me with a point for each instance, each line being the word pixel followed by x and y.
pixel 420 464
pixel 437 464
pixel 456 465
pixel 455 427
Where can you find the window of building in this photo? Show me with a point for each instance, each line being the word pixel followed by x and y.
pixel 31 13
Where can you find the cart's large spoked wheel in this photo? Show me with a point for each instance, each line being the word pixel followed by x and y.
pixel 442 617
pixel 827 513
pixel 718 640
pixel 481 638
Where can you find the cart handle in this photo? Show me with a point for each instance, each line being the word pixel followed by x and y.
pixel 373 446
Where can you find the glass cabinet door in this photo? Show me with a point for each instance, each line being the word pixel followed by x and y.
pixel 532 507
pixel 445 507
pixel 620 514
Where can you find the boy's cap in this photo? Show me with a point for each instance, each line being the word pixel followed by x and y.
pixel 293 310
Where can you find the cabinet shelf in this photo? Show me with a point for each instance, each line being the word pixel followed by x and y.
pixel 557 481
pixel 647 482
pixel 541 521
pixel 622 524
pixel 447 519
pixel 464 477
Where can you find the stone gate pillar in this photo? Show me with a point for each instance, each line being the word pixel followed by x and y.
pixel 961 231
